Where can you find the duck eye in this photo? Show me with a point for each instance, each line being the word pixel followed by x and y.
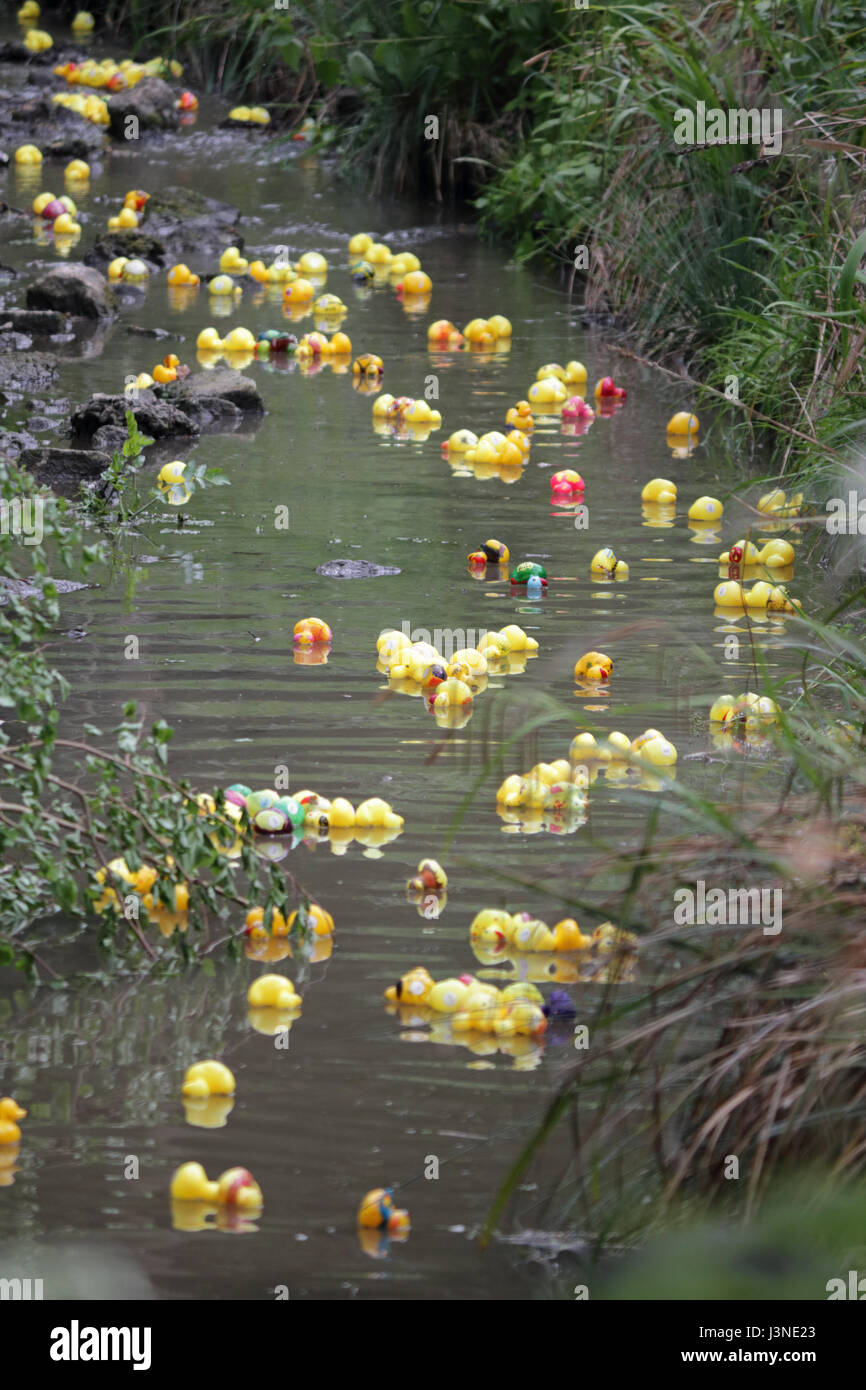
pixel 399 988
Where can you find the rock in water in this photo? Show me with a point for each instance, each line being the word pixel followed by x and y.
pixel 42 323
pixel 191 224
pixel 200 395
pixel 130 243
pixel 73 289
pixel 219 399
pixel 150 102
pixel 54 466
pixel 26 371
pixel 153 417
pixel 354 569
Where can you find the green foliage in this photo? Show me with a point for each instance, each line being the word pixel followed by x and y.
pixel 714 1042
pixel 111 498
pixel 62 826
pixel 380 67
pixel 744 269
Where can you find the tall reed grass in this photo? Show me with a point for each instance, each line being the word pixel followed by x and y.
pixel 712 1042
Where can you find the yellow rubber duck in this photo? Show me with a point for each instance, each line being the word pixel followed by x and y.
pixel 210 1078
pixel 181 274
pixel 239 340
pixel 776 554
pixel 126 218
pixel 10 1112
pixel 520 416
pixel 479 333
pixel 254 924
pixel 443 334
pixel 604 562
pixel 452 692
pixel 312 263
pixel 549 390
pixel 66 225
pixel 341 815
pixel 499 326
pixel 377 1209
pixel 273 992
pixel 430 877
pixel 329 306
pixel 236 1187
pixel 420 413
pixel 339 345
pixel 38 41
pixel 28 154
pixel 654 748
pixel 298 291
pixel 659 490
pixel 516 639
pixel 28 12
pixel 447 996
pixel 376 813
pixel 593 666
pixel 683 423
pixel 706 509
pixel 776 503
pixel 415 282
pixel 360 244
pixel 232 260
pixel 729 594
pixel 412 988
pixel 210 340
pixel 77 171
pixel 368 365
pixel 469 665
pixel 319 922
pixel 222 285
pixel 402 263
pixel 83 22
pixel 391 646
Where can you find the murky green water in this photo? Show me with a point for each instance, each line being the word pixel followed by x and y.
pixel 357 1099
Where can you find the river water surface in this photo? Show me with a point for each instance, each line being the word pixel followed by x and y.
pixel 359 1098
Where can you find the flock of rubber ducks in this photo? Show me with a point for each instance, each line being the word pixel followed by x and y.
pixel 449 686
pixel 552 796
pixel 270 813
pixel 105 74
pixel 472 1005
pixel 514 1019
